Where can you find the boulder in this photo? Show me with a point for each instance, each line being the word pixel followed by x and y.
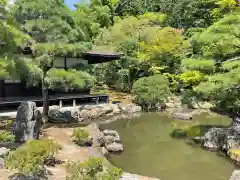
pixel 100 139
pixel 114 147
pixel 235 175
pixel 64 115
pixel 1 163
pixel 130 108
pixel 4 151
pixel 28 122
pixel 107 132
pixel 198 139
pixel 211 139
pixel 182 116
pixel 111 139
pixel 104 151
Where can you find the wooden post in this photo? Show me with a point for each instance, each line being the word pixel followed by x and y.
pixel 74 103
pixel 60 103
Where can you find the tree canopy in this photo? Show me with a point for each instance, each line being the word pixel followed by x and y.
pixel 192 46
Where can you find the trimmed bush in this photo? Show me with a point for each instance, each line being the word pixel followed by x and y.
pixel 150 92
pixel 6 137
pixel 92 169
pixel 81 137
pixel 30 157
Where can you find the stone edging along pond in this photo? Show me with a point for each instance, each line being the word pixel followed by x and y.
pixel 95 133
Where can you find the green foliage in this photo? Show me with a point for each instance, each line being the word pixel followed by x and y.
pixel 165 49
pixel 10 35
pixel 151 91
pixel 191 13
pixel 205 66
pixel 70 79
pixel 6 136
pixel 229 65
pixel 30 157
pixel 221 40
pixel 79 135
pixel 190 78
pixel 223 7
pixel 92 169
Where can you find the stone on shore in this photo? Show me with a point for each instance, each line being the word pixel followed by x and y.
pixel 4 151
pixel 114 147
pixel 28 122
pixel 235 175
pixel 182 116
pixel 90 112
pixel 128 176
pixel 212 139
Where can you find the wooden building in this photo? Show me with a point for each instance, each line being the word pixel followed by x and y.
pixel 13 92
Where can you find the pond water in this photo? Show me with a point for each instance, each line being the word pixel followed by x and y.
pixel 157 146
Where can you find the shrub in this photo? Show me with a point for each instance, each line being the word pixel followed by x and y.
pixel 151 91
pixel 92 169
pixel 6 136
pixel 81 137
pixel 30 157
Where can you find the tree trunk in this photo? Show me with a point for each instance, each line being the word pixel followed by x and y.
pixel 45 99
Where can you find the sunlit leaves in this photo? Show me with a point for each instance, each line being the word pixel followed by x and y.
pixel 221 40
pixel 59 78
pixel 151 90
pixel 190 78
pixel 74 50
pixel 166 48
pixel 206 66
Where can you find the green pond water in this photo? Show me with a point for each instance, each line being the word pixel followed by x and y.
pixel 157 146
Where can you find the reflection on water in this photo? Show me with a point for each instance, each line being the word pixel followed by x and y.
pixel 158 146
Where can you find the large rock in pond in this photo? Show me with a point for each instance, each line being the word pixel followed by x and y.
pixel 235 175
pixel 28 122
pixel 182 116
pixel 114 147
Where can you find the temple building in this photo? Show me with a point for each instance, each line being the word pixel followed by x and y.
pixel 13 92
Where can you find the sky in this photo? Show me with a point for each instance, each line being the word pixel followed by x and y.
pixel 71 2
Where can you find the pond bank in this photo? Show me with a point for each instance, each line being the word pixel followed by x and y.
pixel 152 149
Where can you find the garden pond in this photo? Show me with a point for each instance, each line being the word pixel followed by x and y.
pixel 158 146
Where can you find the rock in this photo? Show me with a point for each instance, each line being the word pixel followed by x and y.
pixel 19 176
pixel 130 108
pixel 211 139
pixel 100 139
pixel 197 139
pixel 128 176
pixel 107 132
pixel 4 151
pixel 235 175
pixel 64 115
pixel 1 163
pixel 111 139
pixel 114 147
pixel 182 116
pixel 84 114
pixel 104 151
pixel 170 105
pixel 28 122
